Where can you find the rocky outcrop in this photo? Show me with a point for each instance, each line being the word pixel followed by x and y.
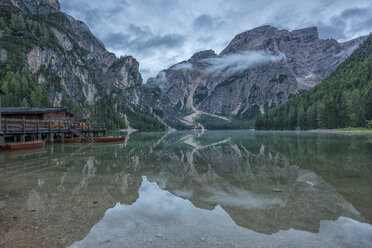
pixel 124 74
pixel 259 69
pixel 34 7
pixel 76 69
pixel 84 59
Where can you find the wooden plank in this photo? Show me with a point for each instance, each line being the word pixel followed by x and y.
pixel 23 126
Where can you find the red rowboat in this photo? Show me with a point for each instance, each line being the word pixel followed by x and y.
pixel 23 145
pixel 108 139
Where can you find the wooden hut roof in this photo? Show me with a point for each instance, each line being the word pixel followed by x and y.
pixel 17 110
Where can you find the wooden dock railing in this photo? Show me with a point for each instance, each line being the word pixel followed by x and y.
pixel 23 126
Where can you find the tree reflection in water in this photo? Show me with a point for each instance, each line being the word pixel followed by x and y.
pixel 248 183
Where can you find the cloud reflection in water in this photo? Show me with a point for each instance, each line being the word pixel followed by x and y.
pixel 160 219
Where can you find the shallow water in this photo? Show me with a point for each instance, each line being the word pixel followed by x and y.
pixel 191 189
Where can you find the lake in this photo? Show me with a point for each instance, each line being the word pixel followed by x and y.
pixel 191 189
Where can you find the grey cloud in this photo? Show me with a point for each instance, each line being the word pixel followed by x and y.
pixel 184 66
pixel 139 31
pixel 350 20
pixel 366 25
pixel 166 41
pixel 143 41
pixel 354 12
pixel 116 40
pixel 160 33
pixel 206 22
pixel 233 63
pixel 335 29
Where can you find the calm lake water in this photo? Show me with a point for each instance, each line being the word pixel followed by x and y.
pixel 191 189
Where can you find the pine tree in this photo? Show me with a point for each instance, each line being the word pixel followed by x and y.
pixel 34 99
pixel 24 103
pixel 17 23
pixel 2 23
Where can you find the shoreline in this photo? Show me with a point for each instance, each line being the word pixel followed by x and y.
pixel 362 131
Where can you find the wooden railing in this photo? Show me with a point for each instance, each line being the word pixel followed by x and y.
pixel 19 126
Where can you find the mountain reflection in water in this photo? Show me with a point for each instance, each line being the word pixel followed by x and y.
pixel 191 189
pixel 161 219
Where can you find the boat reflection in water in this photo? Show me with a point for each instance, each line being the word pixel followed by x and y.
pixel 191 189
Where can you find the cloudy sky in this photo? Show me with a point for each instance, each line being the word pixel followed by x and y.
pixel 160 33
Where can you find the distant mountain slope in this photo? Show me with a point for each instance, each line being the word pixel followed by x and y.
pixel 49 58
pixel 259 69
pixel 343 99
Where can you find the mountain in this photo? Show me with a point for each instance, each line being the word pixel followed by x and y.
pixel 344 99
pixel 49 58
pixel 259 69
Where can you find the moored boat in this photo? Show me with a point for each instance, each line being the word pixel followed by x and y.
pixel 108 139
pixel 69 140
pixel 23 145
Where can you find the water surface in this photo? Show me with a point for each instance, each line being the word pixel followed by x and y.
pixel 191 189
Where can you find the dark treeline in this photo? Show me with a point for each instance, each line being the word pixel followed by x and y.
pixel 342 100
pixel 18 35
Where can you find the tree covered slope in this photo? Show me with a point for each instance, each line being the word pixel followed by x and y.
pixel 259 69
pixel 48 58
pixel 344 99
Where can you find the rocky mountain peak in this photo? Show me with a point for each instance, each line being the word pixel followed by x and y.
pixel 265 37
pixel 203 55
pixel 305 35
pixel 35 7
pixel 260 68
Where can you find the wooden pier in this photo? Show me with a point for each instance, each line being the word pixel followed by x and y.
pixel 22 129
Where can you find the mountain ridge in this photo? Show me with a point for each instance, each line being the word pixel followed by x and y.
pixel 53 50
pixel 259 69
pixel 342 100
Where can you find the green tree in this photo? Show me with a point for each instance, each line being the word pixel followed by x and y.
pixel 343 99
pixel 2 23
pixel 17 23
pixel 24 103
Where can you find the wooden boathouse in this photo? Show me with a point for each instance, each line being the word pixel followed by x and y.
pixel 29 124
pixel 46 114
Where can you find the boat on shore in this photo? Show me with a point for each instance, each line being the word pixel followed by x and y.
pixel 22 145
pixel 69 140
pixel 108 139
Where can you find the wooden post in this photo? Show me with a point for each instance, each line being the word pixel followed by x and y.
pixel 51 137
pixel 23 136
pixel 6 126
pixel 38 127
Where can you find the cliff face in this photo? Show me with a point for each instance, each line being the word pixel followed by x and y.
pixel 82 63
pixel 259 69
pixel 34 7
pixel 75 68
